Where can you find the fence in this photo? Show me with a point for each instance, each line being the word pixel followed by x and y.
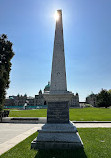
pixel 26 107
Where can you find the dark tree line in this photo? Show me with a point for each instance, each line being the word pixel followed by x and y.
pixel 104 98
pixel 6 54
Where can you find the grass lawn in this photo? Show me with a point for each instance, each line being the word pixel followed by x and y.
pixel 84 114
pixel 97 144
pixel 28 113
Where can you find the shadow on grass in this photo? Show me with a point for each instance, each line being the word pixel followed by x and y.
pixel 78 153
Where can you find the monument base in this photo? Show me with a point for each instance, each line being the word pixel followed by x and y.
pixel 57 136
pixel 58 97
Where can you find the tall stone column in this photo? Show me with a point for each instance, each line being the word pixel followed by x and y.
pixel 58 74
pixel 58 97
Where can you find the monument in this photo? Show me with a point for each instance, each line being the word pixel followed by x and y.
pixel 58 132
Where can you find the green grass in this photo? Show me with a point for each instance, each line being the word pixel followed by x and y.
pixel 97 144
pixel 28 113
pixel 84 114
pixel 90 114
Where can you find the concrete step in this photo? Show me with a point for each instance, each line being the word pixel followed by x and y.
pixel 30 120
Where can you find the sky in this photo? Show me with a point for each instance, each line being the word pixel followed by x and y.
pixel 30 26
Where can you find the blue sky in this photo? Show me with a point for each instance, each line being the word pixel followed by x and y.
pixel 30 25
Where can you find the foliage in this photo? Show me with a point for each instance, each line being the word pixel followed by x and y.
pixel 109 91
pixel 77 114
pixel 6 54
pixel 104 98
pixel 96 145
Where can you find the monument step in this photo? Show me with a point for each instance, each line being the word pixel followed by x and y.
pixel 57 136
pixel 56 145
pixel 65 126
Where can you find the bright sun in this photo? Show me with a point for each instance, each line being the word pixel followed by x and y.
pixel 56 16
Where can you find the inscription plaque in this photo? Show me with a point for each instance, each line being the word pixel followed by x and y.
pixel 58 112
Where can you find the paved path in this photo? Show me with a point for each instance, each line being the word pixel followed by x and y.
pixel 93 125
pixel 11 133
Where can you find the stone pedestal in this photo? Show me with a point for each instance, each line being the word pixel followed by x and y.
pixel 58 132
pixel 57 136
pixel 58 112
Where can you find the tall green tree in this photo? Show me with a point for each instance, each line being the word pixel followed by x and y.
pixel 6 54
pixel 103 99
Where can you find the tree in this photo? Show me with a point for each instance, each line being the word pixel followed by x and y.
pixel 6 54
pixel 109 91
pixel 103 99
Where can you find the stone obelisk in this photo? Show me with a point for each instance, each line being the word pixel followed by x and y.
pixel 58 132
pixel 58 97
pixel 58 74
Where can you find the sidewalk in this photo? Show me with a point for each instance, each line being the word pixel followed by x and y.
pixel 11 134
pixel 93 125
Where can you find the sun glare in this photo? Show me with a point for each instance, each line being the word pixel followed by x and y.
pixel 56 16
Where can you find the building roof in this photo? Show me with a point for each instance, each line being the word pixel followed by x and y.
pixel 47 87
